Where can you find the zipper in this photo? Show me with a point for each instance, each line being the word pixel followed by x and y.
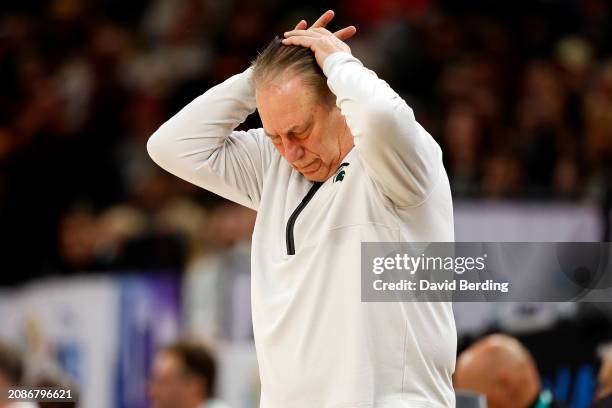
pixel 294 215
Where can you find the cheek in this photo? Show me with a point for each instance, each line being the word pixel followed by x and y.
pixel 312 149
pixel 322 145
pixel 317 142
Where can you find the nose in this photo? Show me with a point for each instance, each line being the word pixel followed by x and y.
pixel 293 150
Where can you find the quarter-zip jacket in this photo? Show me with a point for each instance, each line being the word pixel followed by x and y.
pixel 318 345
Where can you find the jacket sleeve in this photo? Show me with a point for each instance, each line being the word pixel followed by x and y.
pixel 402 159
pixel 199 144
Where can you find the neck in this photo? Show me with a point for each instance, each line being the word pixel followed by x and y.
pixel 346 142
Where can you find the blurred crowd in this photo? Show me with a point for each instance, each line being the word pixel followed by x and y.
pixel 183 375
pixel 518 95
pixel 497 369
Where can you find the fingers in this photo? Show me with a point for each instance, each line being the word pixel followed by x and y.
pixel 307 33
pixel 301 25
pixel 301 40
pixel 321 21
pixel 324 19
pixel 346 33
pixel 343 34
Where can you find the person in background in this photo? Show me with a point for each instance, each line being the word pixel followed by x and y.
pixel 502 369
pixel 603 396
pixel 183 376
pixel 11 376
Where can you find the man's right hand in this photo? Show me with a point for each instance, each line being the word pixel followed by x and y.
pixel 343 34
pixel 319 40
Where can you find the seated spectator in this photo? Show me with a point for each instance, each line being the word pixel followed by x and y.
pixel 501 369
pixel 183 377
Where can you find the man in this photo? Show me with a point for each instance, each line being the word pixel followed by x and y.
pixel 503 370
pixel 183 376
pixel 340 160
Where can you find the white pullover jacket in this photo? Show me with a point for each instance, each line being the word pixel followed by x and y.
pixel 318 345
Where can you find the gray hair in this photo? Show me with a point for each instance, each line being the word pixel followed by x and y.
pixel 278 57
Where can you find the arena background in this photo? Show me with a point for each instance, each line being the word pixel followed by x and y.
pixel 105 256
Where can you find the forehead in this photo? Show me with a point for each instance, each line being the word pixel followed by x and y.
pixel 167 362
pixel 284 103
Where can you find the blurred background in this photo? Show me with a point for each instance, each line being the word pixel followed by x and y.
pixel 105 257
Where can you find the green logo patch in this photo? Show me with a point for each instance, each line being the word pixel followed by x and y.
pixel 340 173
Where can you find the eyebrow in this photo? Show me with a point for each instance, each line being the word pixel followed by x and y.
pixel 292 129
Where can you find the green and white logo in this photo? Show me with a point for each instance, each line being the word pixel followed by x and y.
pixel 340 173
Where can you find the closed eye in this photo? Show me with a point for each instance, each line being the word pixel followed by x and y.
pixel 273 138
pixel 300 135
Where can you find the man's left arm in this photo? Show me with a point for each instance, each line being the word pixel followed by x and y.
pixel 402 158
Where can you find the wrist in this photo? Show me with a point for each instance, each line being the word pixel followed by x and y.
pixel 336 59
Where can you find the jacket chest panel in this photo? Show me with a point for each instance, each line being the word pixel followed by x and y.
pixel 286 224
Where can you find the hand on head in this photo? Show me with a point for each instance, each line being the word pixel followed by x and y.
pixel 297 109
pixel 321 41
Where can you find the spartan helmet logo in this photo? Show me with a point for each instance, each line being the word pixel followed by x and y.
pixel 340 173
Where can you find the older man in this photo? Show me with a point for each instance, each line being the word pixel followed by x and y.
pixel 502 369
pixel 340 160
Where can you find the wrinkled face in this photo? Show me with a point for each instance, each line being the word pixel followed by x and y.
pixel 309 134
